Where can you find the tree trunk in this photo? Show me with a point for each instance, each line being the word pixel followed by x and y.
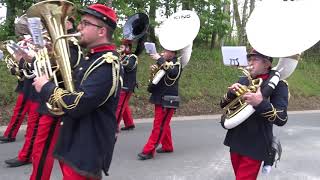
pixel 243 23
pixel 252 6
pixel 11 15
pixel 213 40
pixel 167 6
pixel 174 6
pixel 226 10
pixel 237 20
pixel 152 16
pixel 185 5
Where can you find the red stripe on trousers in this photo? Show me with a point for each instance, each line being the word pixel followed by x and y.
pixel 244 167
pixel 162 118
pixel 46 123
pixel 16 119
pixel 69 174
pixel 124 107
pixel 32 123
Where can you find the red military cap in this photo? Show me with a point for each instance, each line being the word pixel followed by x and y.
pixel 254 52
pixel 126 42
pixel 102 12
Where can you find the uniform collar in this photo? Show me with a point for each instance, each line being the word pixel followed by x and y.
pixel 102 48
pixel 263 76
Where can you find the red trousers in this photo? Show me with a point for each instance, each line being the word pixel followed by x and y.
pixel 42 156
pixel 31 132
pixel 70 174
pixel 161 131
pixel 244 167
pixel 123 109
pixel 19 111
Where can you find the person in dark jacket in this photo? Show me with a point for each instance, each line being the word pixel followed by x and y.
pixel 165 97
pixel 87 134
pixel 129 61
pixel 27 102
pixel 250 141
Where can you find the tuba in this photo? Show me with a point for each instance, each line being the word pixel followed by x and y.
pixel 53 14
pixel 133 30
pixel 177 33
pixel 287 35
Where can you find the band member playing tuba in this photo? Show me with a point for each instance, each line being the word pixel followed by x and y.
pixel 250 141
pixel 134 31
pixel 165 97
pixel 87 133
pixel 129 61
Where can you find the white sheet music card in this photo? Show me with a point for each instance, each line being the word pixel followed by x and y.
pixel 150 47
pixel 234 55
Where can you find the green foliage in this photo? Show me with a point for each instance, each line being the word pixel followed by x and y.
pixel 7 86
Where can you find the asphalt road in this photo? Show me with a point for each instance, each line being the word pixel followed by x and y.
pixel 199 152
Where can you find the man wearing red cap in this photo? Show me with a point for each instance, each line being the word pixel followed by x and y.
pixel 129 63
pixel 87 133
pixel 250 142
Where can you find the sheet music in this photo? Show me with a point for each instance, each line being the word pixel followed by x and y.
pixel 35 28
pixel 234 55
pixel 150 47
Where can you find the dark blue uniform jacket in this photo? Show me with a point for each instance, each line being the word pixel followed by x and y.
pixel 252 137
pixel 87 136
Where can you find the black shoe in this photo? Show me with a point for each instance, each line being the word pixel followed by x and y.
pixel 128 128
pixel 15 162
pixel 160 150
pixel 4 139
pixel 142 156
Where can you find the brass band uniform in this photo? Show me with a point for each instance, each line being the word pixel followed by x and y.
pixel 250 141
pixel 87 135
pixel 165 97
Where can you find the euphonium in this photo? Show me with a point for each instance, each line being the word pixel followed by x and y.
pixel 230 117
pixel 54 13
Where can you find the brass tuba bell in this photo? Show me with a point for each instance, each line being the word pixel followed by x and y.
pixel 54 14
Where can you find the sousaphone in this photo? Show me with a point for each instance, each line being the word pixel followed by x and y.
pixel 136 26
pixel 177 33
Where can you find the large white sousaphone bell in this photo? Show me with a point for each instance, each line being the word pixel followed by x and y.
pixel 177 33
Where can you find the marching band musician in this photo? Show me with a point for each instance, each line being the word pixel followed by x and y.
pixel 165 97
pixel 19 109
pixel 27 102
pixel 129 61
pixel 250 142
pixel 87 133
